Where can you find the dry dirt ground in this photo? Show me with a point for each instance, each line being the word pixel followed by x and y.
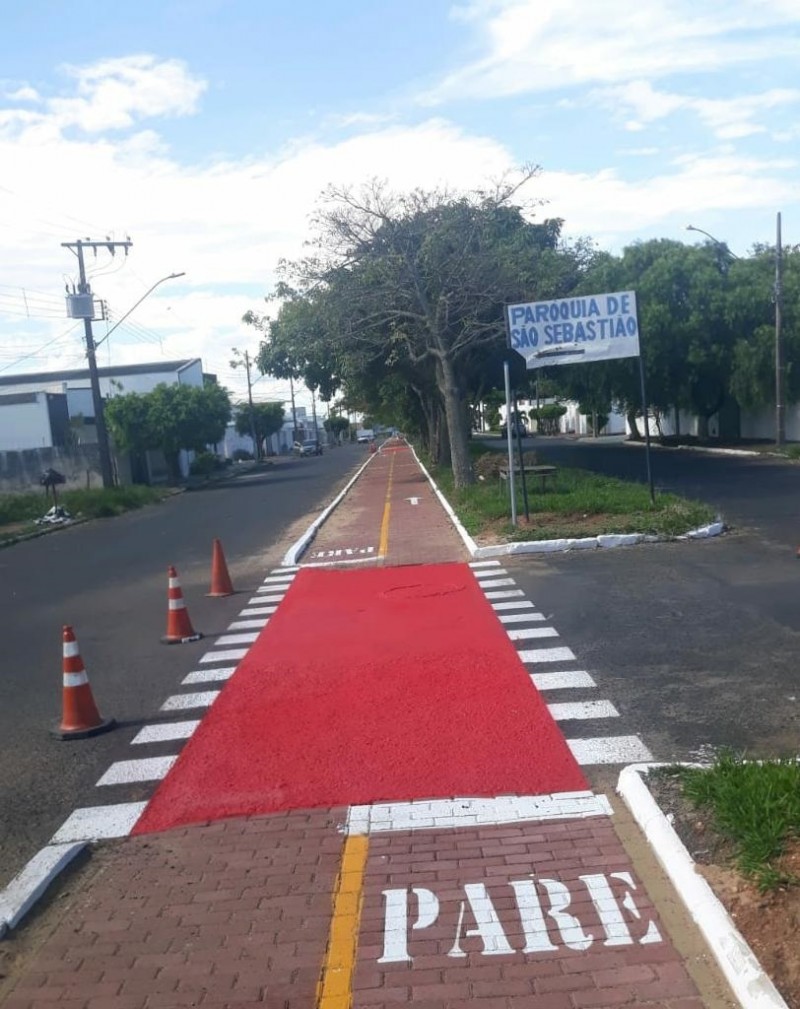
pixel 770 922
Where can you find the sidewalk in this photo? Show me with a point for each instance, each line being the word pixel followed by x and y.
pixel 377 809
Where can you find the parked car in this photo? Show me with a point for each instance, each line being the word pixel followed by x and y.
pixel 308 447
pixel 515 429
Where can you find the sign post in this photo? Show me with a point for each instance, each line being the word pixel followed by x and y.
pixel 509 440
pixel 579 330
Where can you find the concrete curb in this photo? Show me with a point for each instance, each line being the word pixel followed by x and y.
pixel 605 542
pixel 28 885
pixel 736 960
pixel 295 551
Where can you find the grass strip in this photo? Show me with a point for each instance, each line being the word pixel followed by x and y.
pixel 23 509
pixel 575 503
pixel 756 805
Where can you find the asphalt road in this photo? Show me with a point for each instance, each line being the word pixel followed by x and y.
pixel 696 643
pixel 108 579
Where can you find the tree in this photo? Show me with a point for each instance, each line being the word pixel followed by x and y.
pixel 266 418
pixel 336 426
pixel 686 337
pixel 171 417
pixel 405 294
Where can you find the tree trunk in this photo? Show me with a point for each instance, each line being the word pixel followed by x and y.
pixel 463 475
pixel 443 440
pixel 631 417
pixel 702 427
pixel 677 422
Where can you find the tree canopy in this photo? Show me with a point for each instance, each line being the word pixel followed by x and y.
pixel 399 308
pixel 170 418
pixel 267 419
pixel 402 302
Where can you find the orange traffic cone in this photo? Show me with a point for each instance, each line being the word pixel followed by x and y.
pixel 80 717
pixel 221 584
pixel 179 626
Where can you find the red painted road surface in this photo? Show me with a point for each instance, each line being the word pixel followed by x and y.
pixel 369 685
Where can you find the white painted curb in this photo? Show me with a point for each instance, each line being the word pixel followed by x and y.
pixel 605 541
pixel 298 548
pixel 469 542
pixel 736 960
pixel 28 886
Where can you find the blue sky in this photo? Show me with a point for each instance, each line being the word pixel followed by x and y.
pixel 206 130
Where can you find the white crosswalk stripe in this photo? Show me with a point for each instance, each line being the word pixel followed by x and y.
pixel 535 655
pixel 610 750
pixel 569 710
pixel 526 633
pixel 520 618
pixel 570 679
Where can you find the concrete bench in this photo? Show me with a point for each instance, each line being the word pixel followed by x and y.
pixel 543 472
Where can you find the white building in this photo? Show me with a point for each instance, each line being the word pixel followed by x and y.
pixel 54 409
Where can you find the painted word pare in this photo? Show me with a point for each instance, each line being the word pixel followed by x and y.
pixel 542 907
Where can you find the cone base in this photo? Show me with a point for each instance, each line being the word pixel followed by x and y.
pixel 220 595
pixel 104 726
pixel 168 640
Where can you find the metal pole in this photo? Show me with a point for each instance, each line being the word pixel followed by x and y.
pixel 509 440
pixel 521 461
pixel 780 406
pixel 646 425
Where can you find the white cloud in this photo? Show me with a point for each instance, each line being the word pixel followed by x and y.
pixel 615 210
pixel 727 118
pixel 546 45
pixel 113 94
pixel 227 223
pixel 224 223
pixel 23 94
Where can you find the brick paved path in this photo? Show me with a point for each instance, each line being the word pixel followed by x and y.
pixel 504 903
pixel 390 516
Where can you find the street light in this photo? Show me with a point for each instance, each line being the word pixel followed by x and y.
pixel 172 276
pixel 716 241
pixel 780 408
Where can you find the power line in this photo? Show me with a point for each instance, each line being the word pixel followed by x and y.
pixel 44 346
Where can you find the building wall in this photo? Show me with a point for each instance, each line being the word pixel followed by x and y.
pixel 20 471
pixel 24 422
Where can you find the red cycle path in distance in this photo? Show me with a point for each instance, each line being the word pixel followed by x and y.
pixel 369 685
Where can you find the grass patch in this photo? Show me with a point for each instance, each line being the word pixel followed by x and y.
pixel 755 805
pixel 575 503
pixel 19 511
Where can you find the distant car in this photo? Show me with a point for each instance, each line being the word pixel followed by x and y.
pixel 308 447
pixel 364 435
pixel 515 429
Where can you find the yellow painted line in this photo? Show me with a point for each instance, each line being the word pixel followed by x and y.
pixel 383 546
pixel 335 989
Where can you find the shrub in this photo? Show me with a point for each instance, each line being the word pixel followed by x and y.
pixel 205 463
pixel 242 455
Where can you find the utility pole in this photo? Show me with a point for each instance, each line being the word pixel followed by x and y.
pixel 314 413
pixel 780 406
pixel 294 410
pixel 243 360
pixel 80 305
pixel 256 442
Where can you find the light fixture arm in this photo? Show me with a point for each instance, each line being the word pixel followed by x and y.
pixel 172 276
pixel 716 241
